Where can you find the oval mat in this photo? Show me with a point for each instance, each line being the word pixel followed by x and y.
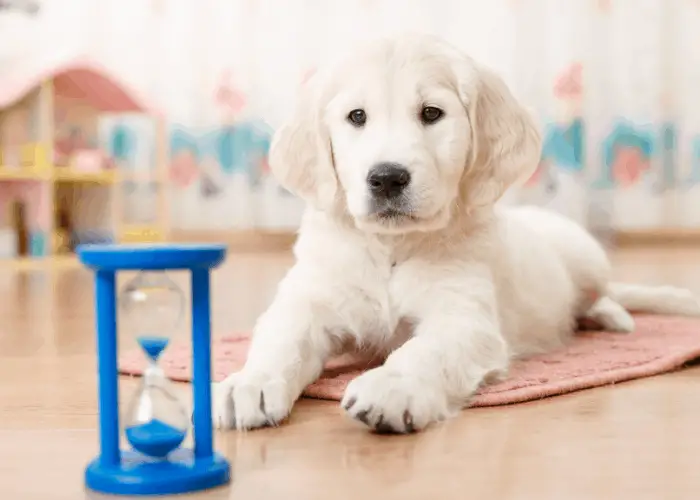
pixel 659 344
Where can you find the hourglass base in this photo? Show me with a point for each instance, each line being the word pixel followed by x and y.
pixel 138 474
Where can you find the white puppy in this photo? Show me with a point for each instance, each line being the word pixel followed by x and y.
pixel 401 151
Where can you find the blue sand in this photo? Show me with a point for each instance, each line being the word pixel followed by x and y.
pixel 153 345
pixel 155 438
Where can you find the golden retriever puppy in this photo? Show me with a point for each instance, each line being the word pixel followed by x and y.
pixel 401 151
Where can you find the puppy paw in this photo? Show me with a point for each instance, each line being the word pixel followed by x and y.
pixel 246 401
pixel 611 316
pixel 619 322
pixel 390 402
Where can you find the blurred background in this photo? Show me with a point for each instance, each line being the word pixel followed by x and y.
pixel 140 120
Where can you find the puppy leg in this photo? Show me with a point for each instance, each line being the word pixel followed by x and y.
pixel 287 352
pixel 456 346
pixel 610 316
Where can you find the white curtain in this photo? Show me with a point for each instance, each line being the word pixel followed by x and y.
pixel 613 82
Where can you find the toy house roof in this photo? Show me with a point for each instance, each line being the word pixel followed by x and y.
pixel 73 78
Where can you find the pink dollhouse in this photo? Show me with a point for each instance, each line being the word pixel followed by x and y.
pixel 64 178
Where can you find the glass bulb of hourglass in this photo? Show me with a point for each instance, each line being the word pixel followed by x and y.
pixel 156 422
pixel 153 307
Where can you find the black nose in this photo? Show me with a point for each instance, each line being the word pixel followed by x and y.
pixel 388 180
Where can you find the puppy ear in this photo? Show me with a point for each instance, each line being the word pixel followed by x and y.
pixel 506 142
pixel 301 157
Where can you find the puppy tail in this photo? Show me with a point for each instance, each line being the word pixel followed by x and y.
pixel 666 300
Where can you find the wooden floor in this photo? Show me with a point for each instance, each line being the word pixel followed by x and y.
pixel 639 440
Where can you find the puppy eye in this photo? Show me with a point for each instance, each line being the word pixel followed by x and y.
pixel 430 115
pixel 357 117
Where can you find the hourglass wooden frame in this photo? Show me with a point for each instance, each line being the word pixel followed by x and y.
pixel 118 471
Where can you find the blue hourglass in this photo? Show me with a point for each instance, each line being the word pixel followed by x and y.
pixel 156 422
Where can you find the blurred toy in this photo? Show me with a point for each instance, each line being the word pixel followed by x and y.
pixel 72 135
pixel 155 423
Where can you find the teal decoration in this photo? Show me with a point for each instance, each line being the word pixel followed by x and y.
pixel 122 143
pixel 563 145
pixel 694 177
pixel 181 139
pixel 669 144
pixel 625 134
pixel 37 243
pixel 239 148
pixel 226 149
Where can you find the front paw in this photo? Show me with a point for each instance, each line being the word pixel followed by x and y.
pixel 390 402
pixel 249 401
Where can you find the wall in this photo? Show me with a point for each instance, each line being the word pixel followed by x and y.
pixel 613 82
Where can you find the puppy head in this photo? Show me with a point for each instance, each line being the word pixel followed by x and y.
pixel 402 134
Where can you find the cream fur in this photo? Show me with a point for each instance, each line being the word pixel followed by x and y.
pixel 452 293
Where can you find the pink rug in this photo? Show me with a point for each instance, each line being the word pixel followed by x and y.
pixel 660 344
